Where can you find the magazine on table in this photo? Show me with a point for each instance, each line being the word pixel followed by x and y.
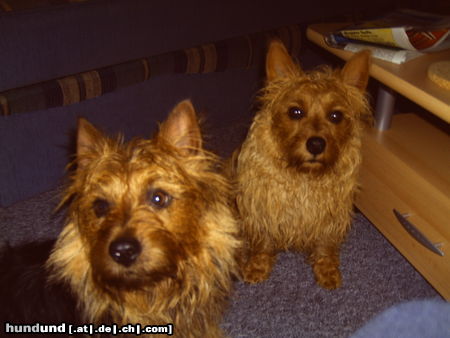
pixel 396 37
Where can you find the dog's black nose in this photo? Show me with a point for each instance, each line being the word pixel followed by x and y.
pixel 316 145
pixel 125 250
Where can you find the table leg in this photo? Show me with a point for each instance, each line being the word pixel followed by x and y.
pixel 384 108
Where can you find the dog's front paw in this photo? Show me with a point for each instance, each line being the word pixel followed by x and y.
pixel 327 274
pixel 258 268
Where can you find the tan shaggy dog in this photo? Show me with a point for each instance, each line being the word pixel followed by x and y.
pixel 150 238
pixel 296 172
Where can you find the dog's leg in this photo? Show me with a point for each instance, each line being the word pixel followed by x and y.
pixel 324 259
pixel 258 265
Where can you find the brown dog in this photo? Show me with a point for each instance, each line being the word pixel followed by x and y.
pixel 296 172
pixel 150 239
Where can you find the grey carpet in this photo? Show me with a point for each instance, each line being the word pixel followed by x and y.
pixel 289 304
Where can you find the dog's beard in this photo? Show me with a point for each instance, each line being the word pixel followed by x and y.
pixel 307 166
pixel 304 162
pixel 132 280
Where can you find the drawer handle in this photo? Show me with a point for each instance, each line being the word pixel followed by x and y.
pixel 413 231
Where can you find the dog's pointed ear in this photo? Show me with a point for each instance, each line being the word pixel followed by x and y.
pixel 181 128
pixel 356 70
pixel 87 140
pixel 279 63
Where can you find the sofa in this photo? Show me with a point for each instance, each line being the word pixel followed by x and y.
pixel 123 64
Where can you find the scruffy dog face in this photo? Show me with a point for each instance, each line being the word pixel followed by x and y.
pixel 315 114
pixel 140 218
pixel 139 205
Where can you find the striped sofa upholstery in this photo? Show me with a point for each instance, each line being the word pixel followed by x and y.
pixel 239 52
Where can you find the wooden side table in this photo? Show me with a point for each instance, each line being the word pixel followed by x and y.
pixel 405 176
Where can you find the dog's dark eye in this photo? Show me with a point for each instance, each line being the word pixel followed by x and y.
pixel 159 198
pixel 296 113
pixel 335 116
pixel 100 207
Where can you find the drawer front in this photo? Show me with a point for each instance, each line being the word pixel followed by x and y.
pixel 387 184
